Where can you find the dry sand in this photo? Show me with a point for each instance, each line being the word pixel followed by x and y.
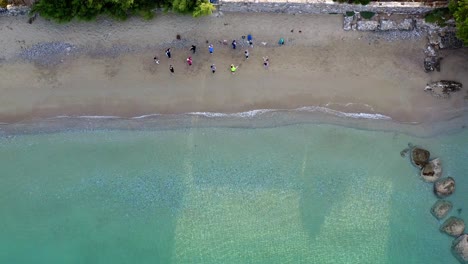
pixel 322 66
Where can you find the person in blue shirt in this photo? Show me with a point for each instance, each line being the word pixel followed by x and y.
pixel 210 48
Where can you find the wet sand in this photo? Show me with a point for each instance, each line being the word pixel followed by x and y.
pixel 322 66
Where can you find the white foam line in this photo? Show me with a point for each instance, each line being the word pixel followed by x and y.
pixel 254 113
pixel 247 114
pixel 343 114
pixel 145 116
pixel 89 117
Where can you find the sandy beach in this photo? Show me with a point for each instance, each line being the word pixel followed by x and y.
pixel 110 71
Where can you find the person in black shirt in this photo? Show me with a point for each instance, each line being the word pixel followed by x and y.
pixel 193 48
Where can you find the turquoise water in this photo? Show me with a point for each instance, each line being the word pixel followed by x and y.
pixel 292 194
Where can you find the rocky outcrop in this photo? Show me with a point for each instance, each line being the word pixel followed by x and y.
pixel 460 248
pixel 367 25
pixel 12 10
pixel 431 51
pixel 441 208
pixel 432 60
pixel 449 40
pixel 453 226
pixel 407 24
pixel 386 24
pixel 419 157
pixel 432 171
pixel 444 187
pixel 348 23
pixel 443 88
pixel 318 7
pixel 432 64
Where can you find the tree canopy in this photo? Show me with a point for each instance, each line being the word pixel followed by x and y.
pixel 459 10
pixel 66 10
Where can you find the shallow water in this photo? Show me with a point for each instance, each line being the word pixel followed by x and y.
pixel 307 193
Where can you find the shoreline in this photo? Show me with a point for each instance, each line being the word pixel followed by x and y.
pixel 106 69
pixel 256 119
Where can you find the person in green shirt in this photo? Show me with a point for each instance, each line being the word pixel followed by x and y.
pixel 233 68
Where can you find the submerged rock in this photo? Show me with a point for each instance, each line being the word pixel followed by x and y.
pixel 460 248
pixel 432 170
pixel 443 88
pixel 444 187
pixel 441 208
pixel 453 226
pixel 404 152
pixel 419 157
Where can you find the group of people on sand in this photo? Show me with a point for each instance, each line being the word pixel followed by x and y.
pixel 233 68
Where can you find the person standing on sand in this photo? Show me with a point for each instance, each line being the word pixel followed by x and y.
pixel 246 53
pixel 189 61
pixel 210 48
pixel 233 68
pixel 193 49
pixel 156 59
pixel 266 62
pixel 234 44
pixel 213 68
pixel 168 53
pixel 171 69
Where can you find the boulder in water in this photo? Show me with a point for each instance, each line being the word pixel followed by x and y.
pixel 441 209
pixel 432 170
pixel 444 187
pixel 419 157
pixel 460 248
pixel 443 88
pixel 453 226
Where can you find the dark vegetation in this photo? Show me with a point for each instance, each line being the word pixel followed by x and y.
pixel 367 14
pixel 457 10
pixel 362 2
pixel 438 16
pixel 66 10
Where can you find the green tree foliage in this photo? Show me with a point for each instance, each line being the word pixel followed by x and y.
pixel 3 3
pixel 438 16
pixel 183 6
pixel 204 8
pixel 66 10
pixel 459 10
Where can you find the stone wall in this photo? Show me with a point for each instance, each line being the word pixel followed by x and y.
pixel 14 10
pixel 320 7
